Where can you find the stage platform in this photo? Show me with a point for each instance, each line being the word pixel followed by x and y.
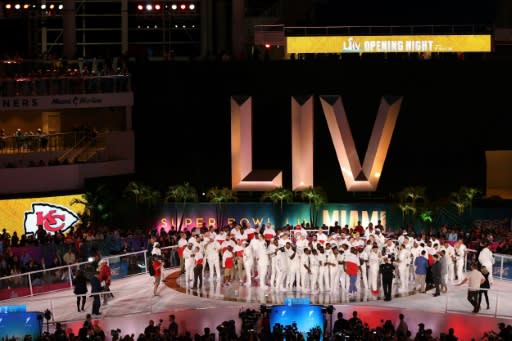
pixel 134 305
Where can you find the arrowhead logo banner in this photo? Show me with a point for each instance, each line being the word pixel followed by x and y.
pixel 53 218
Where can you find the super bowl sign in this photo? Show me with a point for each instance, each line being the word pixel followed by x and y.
pixel 53 218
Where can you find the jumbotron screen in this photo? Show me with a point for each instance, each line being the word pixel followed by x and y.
pixel 304 316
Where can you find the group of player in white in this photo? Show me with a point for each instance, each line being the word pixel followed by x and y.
pixel 312 262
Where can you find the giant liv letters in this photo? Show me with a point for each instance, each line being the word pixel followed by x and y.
pixel 357 177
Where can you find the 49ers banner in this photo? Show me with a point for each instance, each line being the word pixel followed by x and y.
pixel 54 214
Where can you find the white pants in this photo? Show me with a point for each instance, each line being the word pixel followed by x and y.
pixel 214 266
pixel 450 276
pixel 323 279
pixel 281 277
pixel 262 272
pixel 313 279
pixel 364 276
pixel 189 272
pixel 403 272
pixel 273 271
pixel 373 277
pixel 293 276
pixel 247 268
pixel 304 279
pixel 334 272
pixel 459 268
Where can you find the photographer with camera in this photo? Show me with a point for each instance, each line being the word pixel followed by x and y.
pixel 249 319
pixel 227 331
pixel 116 334
pixel 152 330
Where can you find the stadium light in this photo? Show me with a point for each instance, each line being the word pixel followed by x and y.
pixel 157 7
pixel 149 7
pixel 192 7
pixel 61 6
pixel 17 6
pixel 140 7
pixel 43 6
pixel 174 7
pixel 8 6
pixel 52 6
pixel 183 7
pixel 26 6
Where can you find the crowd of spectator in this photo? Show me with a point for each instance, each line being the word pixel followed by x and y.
pixel 20 77
pixel 353 328
pixel 84 242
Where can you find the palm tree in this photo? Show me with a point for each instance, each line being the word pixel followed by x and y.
pixel 408 198
pixel 150 196
pixel 414 193
pixel 218 196
pixel 96 205
pixel 316 198
pixel 145 199
pixel 470 193
pixel 136 189
pixel 180 195
pixel 460 201
pixel 278 195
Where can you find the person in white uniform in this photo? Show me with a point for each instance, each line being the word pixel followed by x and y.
pixel 450 262
pixel 314 266
pixel 272 250
pixel 188 255
pixel 259 247
pixel 373 269
pixel 282 263
pixel 248 259
pixel 212 249
pixel 305 269
pixel 485 258
pixel 460 253
pixel 403 267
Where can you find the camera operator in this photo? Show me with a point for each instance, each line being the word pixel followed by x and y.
pixel 227 331
pixel 249 319
pixel 115 333
pixel 152 330
pixel 341 325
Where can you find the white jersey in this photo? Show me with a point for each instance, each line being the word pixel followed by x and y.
pixel 450 254
pixel 485 257
pixel 374 259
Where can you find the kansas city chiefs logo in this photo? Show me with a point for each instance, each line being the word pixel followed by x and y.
pixel 53 218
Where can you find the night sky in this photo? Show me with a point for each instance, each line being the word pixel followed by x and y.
pixel 451 113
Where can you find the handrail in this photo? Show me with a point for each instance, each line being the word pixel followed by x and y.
pixel 72 149
pixel 46 85
pixel 12 144
pixel 69 267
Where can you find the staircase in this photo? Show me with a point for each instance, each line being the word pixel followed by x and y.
pixel 84 150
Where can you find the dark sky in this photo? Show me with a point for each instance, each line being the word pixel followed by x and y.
pixel 404 12
pixel 451 114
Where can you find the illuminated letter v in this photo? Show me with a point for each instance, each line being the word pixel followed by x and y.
pixel 357 178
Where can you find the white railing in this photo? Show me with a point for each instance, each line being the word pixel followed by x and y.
pixel 59 278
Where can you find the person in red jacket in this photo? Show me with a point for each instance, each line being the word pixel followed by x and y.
pixel 106 278
pixel 156 263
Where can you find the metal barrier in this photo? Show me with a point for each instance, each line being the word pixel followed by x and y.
pixel 31 142
pixel 58 278
pixel 45 86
